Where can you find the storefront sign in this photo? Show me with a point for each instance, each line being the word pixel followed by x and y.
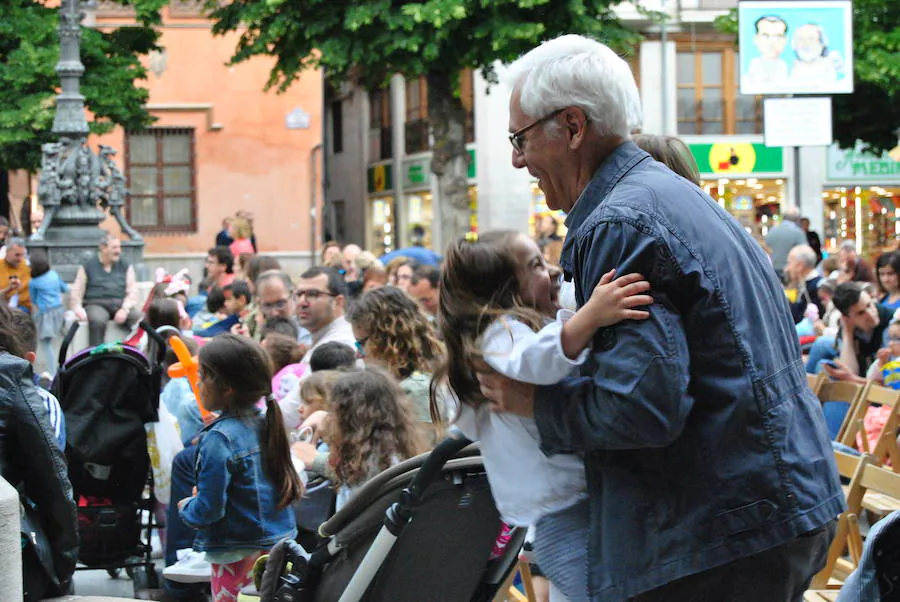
pixel 417 173
pixel 737 158
pixel 857 166
pixel 380 178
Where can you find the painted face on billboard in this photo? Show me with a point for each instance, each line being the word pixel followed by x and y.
pixel 771 37
pixel 808 43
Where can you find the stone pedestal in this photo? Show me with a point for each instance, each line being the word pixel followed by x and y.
pixel 70 246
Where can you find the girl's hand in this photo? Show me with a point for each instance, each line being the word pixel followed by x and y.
pixel 883 355
pixel 314 421
pixel 613 299
pixel 303 451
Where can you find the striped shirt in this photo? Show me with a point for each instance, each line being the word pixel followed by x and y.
pixel 55 414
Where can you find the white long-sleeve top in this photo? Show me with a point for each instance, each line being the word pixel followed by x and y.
pixel 525 483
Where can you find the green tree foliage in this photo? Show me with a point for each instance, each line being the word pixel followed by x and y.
pixel 872 113
pixel 29 51
pixel 367 42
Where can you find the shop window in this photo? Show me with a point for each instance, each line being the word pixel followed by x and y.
pixel 159 165
pixel 708 101
pixel 381 225
pixel 868 214
pixel 380 143
pixel 756 203
pixel 337 126
pixel 417 129
pixel 467 97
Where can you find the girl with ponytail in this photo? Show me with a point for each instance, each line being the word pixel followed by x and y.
pixel 245 479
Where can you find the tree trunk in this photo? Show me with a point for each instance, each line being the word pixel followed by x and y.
pixel 450 161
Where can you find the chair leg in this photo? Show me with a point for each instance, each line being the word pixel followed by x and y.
pixel 820 581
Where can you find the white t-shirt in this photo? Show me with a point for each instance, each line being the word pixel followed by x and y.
pixel 525 483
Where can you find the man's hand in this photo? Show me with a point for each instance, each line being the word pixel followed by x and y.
pixel 240 330
pixel 507 395
pixel 120 316
pixel 842 372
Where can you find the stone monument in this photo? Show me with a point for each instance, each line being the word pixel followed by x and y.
pixel 78 188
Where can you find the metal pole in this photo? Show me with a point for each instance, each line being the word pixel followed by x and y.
pixel 664 70
pixel 313 191
pixel 797 187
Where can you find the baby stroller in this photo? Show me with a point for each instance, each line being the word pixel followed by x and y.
pixel 425 529
pixel 107 394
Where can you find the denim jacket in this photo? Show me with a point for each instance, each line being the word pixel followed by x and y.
pixel 236 503
pixel 702 441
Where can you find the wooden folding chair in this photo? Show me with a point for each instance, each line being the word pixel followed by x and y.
pixel 868 478
pixel 815 381
pixel 510 593
pixel 838 390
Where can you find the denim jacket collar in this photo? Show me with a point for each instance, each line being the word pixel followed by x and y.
pixel 613 168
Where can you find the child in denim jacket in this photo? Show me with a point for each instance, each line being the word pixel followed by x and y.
pixel 245 479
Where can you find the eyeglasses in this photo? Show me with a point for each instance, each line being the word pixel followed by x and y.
pixel 312 296
pixel 517 138
pixel 273 306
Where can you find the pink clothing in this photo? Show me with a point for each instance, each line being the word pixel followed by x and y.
pixel 286 378
pixel 228 579
pixel 875 419
pixel 224 280
pixel 241 245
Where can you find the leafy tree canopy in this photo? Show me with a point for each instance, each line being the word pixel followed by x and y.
pixel 29 51
pixel 369 41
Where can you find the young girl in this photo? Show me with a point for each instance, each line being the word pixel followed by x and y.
pixel 245 479
pixel 495 302
pixel 46 289
pixel 285 353
pixel 369 428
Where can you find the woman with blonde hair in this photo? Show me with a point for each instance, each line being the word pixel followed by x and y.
pixel 671 152
pixel 241 232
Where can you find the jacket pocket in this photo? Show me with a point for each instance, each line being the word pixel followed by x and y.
pixel 745 518
pixel 780 386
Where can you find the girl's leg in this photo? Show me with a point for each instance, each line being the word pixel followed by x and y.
pixel 229 579
pixel 49 358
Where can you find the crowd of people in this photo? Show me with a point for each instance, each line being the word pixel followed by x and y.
pixel 636 385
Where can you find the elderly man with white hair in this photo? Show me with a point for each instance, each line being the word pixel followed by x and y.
pixel 801 272
pixel 709 471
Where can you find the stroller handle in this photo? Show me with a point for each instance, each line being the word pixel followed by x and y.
pixel 431 468
pixel 64 346
pixel 156 338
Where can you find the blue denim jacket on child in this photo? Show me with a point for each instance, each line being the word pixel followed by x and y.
pixel 236 504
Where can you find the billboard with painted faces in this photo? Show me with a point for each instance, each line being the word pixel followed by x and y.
pixel 795 46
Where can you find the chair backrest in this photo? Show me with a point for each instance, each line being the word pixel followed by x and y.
pixel 885 446
pixel 815 382
pixel 847 392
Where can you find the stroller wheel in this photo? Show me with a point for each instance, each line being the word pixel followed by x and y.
pixel 145 578
pixel 114 573
pixel 129 570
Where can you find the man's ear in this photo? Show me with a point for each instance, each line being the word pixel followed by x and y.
pixel 576 123
pixel 30 356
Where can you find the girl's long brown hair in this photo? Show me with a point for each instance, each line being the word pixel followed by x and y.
pixel 480 282
pixel 370 425
pixel 240 364
pixel 399 333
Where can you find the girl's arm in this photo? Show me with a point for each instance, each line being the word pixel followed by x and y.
pixel 208 505
pixel 611 302
pixel 514 350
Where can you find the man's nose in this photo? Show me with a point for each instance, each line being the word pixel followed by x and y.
pixel 518 159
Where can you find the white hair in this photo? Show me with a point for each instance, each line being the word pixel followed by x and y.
pixel 573 70
pixel 805 254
